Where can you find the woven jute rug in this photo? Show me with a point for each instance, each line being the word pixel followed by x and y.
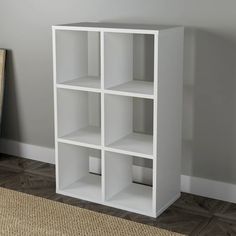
pixel 23 214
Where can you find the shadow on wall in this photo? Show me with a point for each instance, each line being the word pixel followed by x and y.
pixel 209 107
pixel 10 103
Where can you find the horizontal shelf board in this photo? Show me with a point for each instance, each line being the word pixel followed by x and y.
pixel 105 25
pixel 138 144
pixel 141 88
pixel 60 140
pixel 89 135
pixel 128 94
pixel 113 27
pixel 91 82
pixel 128 153
pixel 106 30
pixel 87 188
pixel 135 197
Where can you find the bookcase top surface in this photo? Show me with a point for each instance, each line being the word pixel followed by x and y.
pixel 108 26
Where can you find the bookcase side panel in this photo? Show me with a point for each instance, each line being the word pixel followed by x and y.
pixel 169 116
pixel 72 54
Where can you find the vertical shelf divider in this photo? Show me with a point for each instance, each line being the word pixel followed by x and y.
pixel 102 113
pixel 154 192
pixel 55 104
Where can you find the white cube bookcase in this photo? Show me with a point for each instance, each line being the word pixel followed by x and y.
pixel 118 114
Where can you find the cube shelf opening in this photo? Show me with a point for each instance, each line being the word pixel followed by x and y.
pixel 76 179
pixel 129 125
pixel 78 58
pixel 121 188
pixel 129 62
pixel 79 117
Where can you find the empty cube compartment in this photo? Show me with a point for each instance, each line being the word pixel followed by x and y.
pixel 78 58
pixel 121 187
pixel 75 177
pixel 129 125
pixel 129 62
pixel 79 117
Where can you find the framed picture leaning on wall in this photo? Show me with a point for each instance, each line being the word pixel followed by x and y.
pixel 2 70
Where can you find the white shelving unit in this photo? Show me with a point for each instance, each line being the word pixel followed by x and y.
pixel 118 114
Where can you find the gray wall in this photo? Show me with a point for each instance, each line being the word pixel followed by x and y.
pixel 209 124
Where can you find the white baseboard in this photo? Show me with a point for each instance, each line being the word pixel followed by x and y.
pixel 189 184
pixel 27 151
pixel 209 188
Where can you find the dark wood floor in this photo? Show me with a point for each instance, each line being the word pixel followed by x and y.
pixel 190 215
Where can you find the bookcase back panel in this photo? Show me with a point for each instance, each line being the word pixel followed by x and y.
pixel 118 59
pixel 119 173
pixel 121 187
pixel 118 117
pixel 125 115
pixel 128 57
pixel 94 54
pixel 78 55
pixel 77 109
pixel 76 176
pixel 73 163
pixel 143 116
pixel 72 111
pixel 94 109
pixel 143 57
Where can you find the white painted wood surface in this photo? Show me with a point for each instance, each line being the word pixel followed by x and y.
pixel 135 143
pixel 136 198
pixel 118 117
pixel 118 59
pixel 75 178
pixel 142 87
pixel 89 134
pixel 169 115
pixel 118 96
pixel 118 170
pixel 87 81
pixel 87 188
pixel 79 110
